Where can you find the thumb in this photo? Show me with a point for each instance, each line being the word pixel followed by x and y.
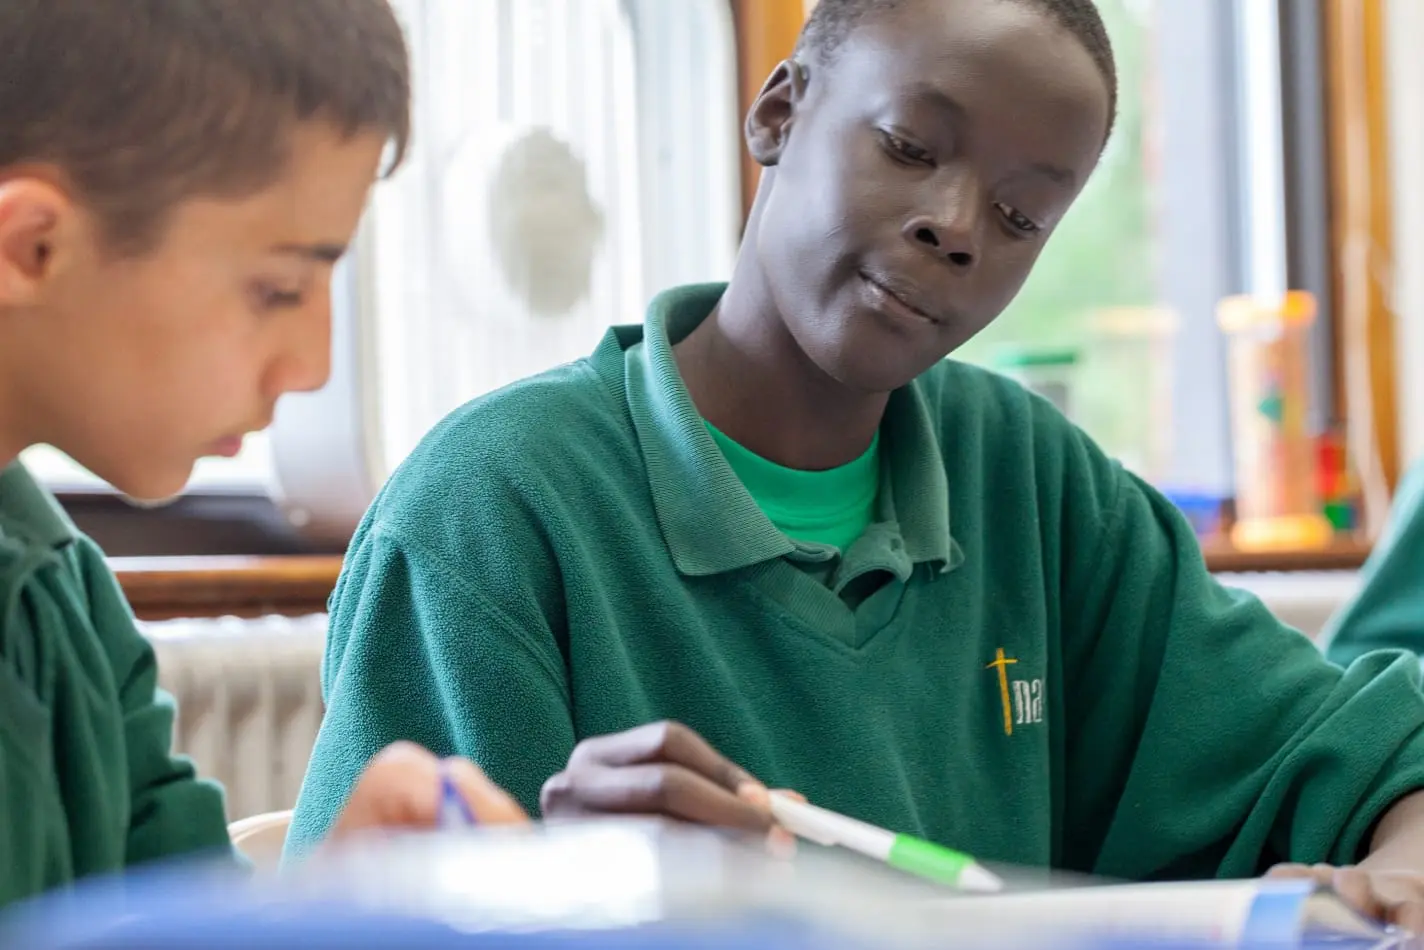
pixel 490 804
pixel 401 789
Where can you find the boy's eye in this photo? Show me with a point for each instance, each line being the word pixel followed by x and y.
pixel 904 150
pixel 1017 219
pixel 273 298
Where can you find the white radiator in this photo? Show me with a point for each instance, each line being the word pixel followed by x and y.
pixel 249 701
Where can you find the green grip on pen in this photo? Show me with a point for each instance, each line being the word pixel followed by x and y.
pixel 927 859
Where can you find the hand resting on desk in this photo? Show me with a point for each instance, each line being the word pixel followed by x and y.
pixel 1388 885
pixel 401 789
pixel 663 769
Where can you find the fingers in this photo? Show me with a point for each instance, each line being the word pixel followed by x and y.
pixel 656 789
pixel 1397 897
pixel 490 804
pixel 380 798
pixel 660 769
pixel 1409 915
pixel 1394 897
pixel 1352 885
pixel 1290 872
pixel 1356 889
pixel 667 742
pixel 401 789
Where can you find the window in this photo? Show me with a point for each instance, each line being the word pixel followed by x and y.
pixel 569 159
pixel 1214 183
pixel 1092 314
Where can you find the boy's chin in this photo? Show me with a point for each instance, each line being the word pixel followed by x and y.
pixel 151 501
pixel 152 488
pixel 867 368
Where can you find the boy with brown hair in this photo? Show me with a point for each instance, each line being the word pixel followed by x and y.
pixel 177 179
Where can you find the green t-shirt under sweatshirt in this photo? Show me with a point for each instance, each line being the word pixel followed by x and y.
pixel 831 507
pixel 1388 613
pixel 1023 656
pixel 87 781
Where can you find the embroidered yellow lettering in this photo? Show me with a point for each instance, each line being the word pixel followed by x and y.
pixel 1002 663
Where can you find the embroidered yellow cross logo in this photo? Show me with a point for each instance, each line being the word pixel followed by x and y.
pixel 1002 663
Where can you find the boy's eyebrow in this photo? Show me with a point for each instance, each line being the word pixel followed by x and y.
pixel 1061 176
pixel 937 98
pixel 321 253
pixel 933 96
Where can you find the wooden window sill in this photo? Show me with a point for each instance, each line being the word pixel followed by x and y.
pixel 1343 555
pixel 167 587
pixel 161 588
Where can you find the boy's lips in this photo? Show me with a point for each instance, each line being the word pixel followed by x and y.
pixel 904 301
pixel 227 447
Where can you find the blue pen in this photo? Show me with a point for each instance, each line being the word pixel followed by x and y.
pixel 454 810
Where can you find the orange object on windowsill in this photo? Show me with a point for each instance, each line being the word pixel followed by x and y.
pixel 1277 504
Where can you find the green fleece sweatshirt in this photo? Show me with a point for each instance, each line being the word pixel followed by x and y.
pixel 87 781
pixel 1388 613
pixel 1024 655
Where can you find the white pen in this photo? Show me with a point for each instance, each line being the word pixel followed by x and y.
pixel 906 852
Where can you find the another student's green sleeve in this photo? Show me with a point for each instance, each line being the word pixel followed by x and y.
pixel 457 658
pixel 1205 737
pixel 1388 613
pixel 172 812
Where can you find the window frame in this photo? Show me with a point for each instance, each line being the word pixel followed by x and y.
pixel 1404 81
pixel 1362 245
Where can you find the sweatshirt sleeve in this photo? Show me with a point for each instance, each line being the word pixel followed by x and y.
pixel 173 812
pixel 1388 613
pixel 1207 738
pixel 459 661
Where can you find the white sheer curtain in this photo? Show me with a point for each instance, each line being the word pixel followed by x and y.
pixel 523 174
pixel 570 158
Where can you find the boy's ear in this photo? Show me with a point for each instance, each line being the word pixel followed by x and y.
pixel 35 218
pixel 773 113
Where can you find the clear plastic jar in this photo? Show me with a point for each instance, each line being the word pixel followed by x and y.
pixel 1268 354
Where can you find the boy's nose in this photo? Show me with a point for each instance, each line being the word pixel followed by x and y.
pixel 953 243
pixel 950 228
pixel 304 362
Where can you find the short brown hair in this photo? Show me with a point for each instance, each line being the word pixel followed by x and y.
pixel 142 104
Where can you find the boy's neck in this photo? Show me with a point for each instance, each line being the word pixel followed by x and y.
pixel 748 377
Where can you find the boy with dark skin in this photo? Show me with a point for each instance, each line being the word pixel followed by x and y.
pixel 857 274
pixel 521 605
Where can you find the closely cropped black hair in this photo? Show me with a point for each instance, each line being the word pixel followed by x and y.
pixel 833 21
